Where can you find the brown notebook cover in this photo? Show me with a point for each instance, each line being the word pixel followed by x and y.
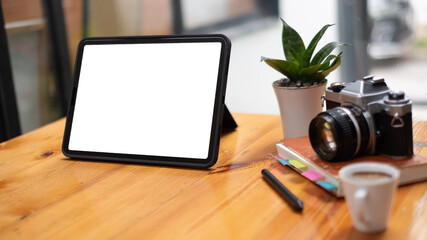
pixel 299 149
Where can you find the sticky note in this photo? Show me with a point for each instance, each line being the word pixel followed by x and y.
pixel 298 164
pixel 312 175
pixel 284 162
pixel 326 185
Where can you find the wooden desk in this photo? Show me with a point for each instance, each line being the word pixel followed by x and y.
pixel 45 195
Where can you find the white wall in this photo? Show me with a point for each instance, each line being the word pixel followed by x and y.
pixel 249 87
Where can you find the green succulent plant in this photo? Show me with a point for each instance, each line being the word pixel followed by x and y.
pixel 301 68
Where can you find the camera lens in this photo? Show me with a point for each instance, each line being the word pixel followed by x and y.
pixel 339 133
pixel 326 141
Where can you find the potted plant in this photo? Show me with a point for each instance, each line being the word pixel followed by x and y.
pixel 299 93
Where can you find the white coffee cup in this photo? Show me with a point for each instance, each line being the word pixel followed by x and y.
pixel 369 190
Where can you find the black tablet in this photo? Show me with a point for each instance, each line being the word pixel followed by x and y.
pixel 148 99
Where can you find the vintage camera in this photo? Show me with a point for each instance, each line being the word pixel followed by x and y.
pixel 363 117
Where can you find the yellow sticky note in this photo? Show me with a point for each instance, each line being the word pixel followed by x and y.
pixel 298 164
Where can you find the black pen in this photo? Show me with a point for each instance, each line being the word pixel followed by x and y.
pixel 296 204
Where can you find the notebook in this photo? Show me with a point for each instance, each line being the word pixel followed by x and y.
pixel 298 154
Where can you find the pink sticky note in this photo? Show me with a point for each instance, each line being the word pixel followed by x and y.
pixel 312 175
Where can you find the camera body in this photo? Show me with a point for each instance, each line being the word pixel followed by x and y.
pixel 363 117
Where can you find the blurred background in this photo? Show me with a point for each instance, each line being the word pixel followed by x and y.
pixel 388 38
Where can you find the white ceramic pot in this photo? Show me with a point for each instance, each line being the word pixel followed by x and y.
pixel 298 106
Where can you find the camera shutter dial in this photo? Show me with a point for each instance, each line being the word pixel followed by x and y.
pixel 396 97
pixel 336 86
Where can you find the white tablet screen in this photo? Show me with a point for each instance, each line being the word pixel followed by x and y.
pixel 146 99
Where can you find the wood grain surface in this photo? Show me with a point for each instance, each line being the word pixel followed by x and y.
pixel 44 195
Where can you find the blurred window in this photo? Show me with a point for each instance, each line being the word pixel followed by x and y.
pixel 388 38
pixel 28 44
pixel 398 48
pixel 215 15
pixel 34 68
pixel 155 17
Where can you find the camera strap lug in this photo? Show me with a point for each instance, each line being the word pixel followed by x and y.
pixel 397 121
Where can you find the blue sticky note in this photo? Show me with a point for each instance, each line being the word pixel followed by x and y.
pixel 284 162
pixel 326 185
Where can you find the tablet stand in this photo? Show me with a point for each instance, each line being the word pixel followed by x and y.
pixel 228 122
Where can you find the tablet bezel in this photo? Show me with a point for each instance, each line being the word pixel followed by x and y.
pixel 147 159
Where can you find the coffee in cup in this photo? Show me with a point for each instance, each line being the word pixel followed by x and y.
pixel 370 176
